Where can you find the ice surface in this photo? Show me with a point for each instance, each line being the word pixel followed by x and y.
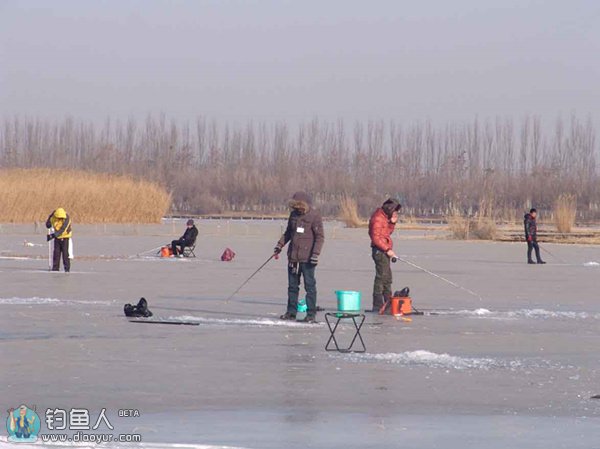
pixel 513 370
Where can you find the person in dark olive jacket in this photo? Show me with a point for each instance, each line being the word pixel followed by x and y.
pixel 305 235
pixel 381 225
pixel 187 239
pixel 530 224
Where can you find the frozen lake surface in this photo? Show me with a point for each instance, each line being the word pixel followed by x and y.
pixel 516 368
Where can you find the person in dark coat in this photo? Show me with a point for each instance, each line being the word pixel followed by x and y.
pixel 187 239
pixel 381 226
pixel 530 224
pixel 305 234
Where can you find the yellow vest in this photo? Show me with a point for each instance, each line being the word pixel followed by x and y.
pixel 57 224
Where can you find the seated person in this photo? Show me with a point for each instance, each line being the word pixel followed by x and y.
pixel 187 239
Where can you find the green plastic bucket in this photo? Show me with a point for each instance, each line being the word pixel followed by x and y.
pixel 302 307
pixel 348 301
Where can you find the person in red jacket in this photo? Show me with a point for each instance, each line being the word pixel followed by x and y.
pixel 381 225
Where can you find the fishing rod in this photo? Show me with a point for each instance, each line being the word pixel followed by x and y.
pixel 150 250
pixel 471 292
pixel 553 255
pixel 274 255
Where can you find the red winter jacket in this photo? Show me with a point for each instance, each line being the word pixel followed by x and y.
pixel 380 231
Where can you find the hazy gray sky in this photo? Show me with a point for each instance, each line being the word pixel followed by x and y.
pixel 292 60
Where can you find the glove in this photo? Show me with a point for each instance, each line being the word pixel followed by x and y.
pixel 529 238
pixel 50 237
pixel 277 249
pixel 314 260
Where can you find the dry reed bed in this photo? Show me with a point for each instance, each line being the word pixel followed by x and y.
pixel 483 227
pixel 466 228
pixel 565 212
pixel 29 195
pixel 349 213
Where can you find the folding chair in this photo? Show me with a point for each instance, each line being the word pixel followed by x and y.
pixel 188 251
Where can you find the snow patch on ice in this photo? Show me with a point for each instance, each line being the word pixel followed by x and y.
pixel 476 312
pixel 520 313
pixel 244 322
pixel 434 360
pixel 423 358
pixel 541 313
pixel 39 301
pixel 28 301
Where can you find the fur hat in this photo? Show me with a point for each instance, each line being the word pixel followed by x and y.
pixel 390 206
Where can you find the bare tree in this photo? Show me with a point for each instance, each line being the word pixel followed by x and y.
pixel 212 167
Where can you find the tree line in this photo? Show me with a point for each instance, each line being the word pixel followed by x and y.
pixel 496 167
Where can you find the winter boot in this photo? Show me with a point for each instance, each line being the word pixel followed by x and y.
pixel 288 316
pixel 387 304
pixel 378 301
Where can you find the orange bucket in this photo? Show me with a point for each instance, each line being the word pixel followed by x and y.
pixel 165 251
pixel 401 306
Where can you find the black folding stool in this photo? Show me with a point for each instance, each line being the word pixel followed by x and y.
pixel 337 317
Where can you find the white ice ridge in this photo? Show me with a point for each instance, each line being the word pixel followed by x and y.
pixel 519 313
pixel 433 360
pixel 39 301
pixel 591 264
pixel 243 322
pixel 4 444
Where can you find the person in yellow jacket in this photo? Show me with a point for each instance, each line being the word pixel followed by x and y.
pixel 60 222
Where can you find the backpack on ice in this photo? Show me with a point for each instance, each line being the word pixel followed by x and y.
pixel 227 255
pixel 139 310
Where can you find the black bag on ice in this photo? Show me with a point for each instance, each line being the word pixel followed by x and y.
pixel 139 310
pixel 404 293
